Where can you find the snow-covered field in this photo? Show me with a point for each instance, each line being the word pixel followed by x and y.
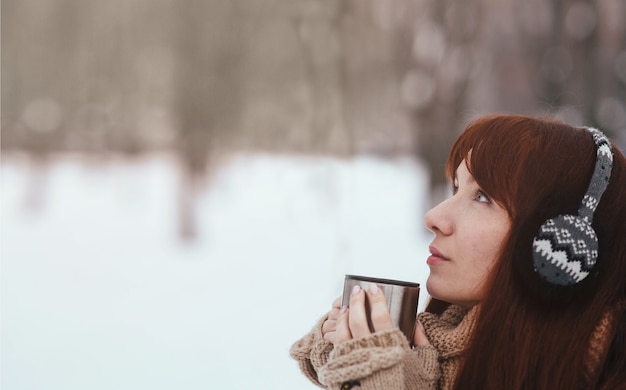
pixel 98 291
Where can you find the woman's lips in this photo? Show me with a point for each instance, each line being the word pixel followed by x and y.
pixel 435 257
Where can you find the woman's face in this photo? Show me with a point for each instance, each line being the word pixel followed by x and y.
pixel 469 230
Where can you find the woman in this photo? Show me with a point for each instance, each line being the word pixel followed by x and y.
pixel 523 297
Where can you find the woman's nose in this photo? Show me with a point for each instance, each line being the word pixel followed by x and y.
pixel 437 219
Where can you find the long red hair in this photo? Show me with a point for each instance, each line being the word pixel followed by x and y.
pixel 536 169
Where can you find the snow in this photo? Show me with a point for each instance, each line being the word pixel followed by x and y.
pixel 99 292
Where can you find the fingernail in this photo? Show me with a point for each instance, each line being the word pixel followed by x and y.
pixel 374 289
pixel 343 309
pixel 356 289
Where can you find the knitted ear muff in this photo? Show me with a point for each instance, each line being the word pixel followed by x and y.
pixel 566 248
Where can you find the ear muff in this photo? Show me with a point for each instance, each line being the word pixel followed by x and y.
pixel 565 249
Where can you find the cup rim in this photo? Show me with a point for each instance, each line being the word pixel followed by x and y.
pixel 382 280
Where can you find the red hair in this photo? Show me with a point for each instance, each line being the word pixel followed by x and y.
pixel 538 168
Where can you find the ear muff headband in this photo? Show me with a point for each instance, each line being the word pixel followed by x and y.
pixel 566 248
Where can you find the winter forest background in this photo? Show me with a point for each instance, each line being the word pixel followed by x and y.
pixel 185 183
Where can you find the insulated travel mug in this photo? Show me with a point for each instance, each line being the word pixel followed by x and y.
pixel 402 298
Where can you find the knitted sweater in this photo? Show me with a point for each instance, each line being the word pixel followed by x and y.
pixel 384 360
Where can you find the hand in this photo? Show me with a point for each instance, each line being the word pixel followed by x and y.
pixel 419 335
pixel 344 324
pixel 329 326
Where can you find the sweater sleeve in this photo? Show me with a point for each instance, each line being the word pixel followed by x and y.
pixel 382 360
pixel 312 351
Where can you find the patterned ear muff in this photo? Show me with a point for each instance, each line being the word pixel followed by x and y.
pixel 566 248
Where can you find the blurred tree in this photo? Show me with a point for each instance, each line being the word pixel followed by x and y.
pixel 208 82
pixel 444 44
pixel 317 27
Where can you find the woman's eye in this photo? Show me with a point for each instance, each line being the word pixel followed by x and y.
pixel 482 197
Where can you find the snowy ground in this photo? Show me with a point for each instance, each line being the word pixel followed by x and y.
pixel 98 292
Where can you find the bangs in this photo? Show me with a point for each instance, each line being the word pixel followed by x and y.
pixel 503 152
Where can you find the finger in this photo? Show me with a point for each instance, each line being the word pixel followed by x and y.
pixel 342 329
pixel 358 315
pixel 379 311
pixel 329 326
pixel 419 335
pixel 333 314
pixel 337 303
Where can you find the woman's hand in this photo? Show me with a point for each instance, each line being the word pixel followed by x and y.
pixel 329 327
pixel 344 324
pixel 419 335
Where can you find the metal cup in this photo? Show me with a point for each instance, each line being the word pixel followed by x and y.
pixel 402 298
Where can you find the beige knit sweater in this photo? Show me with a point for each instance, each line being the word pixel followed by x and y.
pixel 384 360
